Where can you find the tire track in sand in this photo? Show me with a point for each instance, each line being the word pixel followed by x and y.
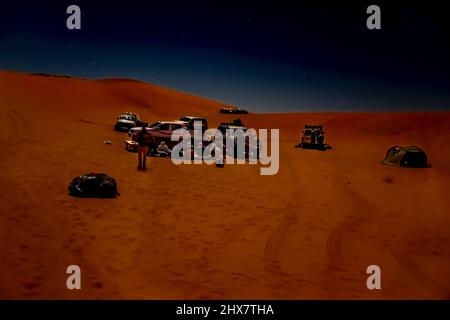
pixel 334 247
pixel 277 239
pixel 283 219
pixel 43 255
pixel 366 212
pixel 275 242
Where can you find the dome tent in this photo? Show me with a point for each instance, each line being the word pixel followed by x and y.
pixel 406 156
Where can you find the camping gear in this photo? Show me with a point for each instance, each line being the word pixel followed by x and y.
pixel 93 185
pixel 406 156
pixel 130 145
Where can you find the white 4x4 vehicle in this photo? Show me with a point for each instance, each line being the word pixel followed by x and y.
pixel 126 121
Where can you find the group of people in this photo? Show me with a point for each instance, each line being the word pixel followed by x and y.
pixel 148 146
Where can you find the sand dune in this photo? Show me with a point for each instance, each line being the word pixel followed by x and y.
pixel 190 232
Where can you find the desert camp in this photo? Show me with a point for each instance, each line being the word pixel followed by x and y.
pixel 224 153
pixel 276 219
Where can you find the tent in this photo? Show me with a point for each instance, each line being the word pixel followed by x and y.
pixel 406 156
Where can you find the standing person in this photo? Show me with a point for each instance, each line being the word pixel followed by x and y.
pixel 142 148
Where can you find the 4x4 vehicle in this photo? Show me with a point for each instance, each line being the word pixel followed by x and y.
pixel 164 129
pixel 236 124
pixel 126 121
pixel 190 122
pixel 158 131
pixel 233 110
pixel 248 152
pixel 313 136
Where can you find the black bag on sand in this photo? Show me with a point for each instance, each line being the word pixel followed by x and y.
pixel 93 185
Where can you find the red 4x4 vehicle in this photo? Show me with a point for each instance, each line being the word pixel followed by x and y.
pixel 162 130
pixel 158 131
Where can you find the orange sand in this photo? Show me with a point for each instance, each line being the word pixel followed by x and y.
pixel 190 232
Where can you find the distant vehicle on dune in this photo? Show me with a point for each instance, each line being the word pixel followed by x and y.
pixel 126 121
pixel 233 110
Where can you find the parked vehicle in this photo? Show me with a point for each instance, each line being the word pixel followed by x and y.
pixel 131 143
pixel 191 120
pixel 126 121
pixel 233 110
pixel 313 137
pixel 164 129
pixel 253 152
pixel 158 131
pixel 236 124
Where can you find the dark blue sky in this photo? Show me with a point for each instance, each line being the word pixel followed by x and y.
pixel 267 57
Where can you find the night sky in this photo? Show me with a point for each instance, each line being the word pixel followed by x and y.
pixel 263 56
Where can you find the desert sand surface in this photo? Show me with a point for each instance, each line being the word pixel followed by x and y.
pixel 200 232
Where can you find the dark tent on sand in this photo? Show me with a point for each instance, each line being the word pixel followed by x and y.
pixel 406 156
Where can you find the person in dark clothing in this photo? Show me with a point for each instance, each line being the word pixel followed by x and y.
pixel 142 148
